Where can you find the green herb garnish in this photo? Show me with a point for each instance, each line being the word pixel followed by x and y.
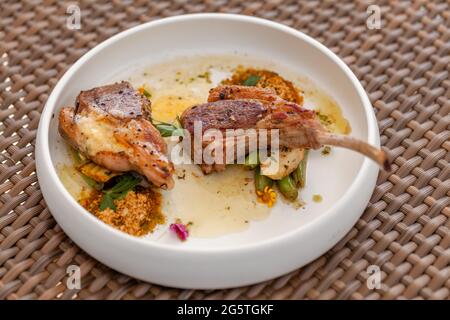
pixel 147 94
pixel 92 183
pixel 251 81
pixel 206 76
pixel 326 150
pixel 168 129
pixel 124 184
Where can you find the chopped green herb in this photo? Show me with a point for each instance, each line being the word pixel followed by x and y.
pixel 324 119
pixel 168 129
pixel 143 91
pixel 107 202
pixel 251 81
pixel 124 184
pixel 326 150
pixel 206 76
pixel 92 183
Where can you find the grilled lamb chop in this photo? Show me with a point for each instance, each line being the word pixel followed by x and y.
pixel 242 107
pixel 109 127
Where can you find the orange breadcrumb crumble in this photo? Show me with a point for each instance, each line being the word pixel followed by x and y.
pixel 138 213
pixel 267 79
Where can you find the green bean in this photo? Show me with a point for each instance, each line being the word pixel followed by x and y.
pixel 299 174
pixel 261 181
pixel 288 188
pixel 252 160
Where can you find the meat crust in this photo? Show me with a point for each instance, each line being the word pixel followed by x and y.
pixel 109 127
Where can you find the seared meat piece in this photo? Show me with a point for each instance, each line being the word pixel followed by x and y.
pixel 298 127
pixel 119 100
pixel 109 127
pixel 226 114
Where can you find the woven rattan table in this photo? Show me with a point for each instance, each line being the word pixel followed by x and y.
pixel 404 67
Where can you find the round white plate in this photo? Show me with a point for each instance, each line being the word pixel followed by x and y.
pixel 289 238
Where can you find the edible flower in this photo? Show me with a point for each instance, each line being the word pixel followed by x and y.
pixel 123 184
pixel 267 196
pixel 180 229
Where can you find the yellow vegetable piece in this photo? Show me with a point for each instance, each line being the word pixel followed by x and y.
pixel 96 172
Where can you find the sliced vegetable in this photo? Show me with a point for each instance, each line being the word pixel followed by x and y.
pixel 261 181
pixel 96 172
pixel 120 189
pixel 288 188
pixel 251 81
pixel 252 160
pixel 80 161
pixel 299 174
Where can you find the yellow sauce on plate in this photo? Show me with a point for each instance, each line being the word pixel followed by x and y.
pixel 215 204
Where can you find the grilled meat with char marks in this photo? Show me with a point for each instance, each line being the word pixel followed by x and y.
pixel 243 107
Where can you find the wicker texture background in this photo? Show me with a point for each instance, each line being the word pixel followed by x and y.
pixel 404 67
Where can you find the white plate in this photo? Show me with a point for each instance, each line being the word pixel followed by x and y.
pixel 288 239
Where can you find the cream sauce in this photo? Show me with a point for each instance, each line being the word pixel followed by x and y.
pixel 214 204
pixel 317 99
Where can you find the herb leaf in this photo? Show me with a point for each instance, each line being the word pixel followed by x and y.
pixel 107 202
pixel 124 184
pixel 167 129
pixel 251 81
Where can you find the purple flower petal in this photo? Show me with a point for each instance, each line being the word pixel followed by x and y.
pixel 180 229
